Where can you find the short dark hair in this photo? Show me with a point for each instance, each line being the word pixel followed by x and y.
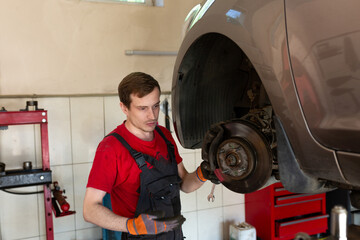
pixel 137 83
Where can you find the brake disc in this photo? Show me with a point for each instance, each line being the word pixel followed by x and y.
pixel 244 157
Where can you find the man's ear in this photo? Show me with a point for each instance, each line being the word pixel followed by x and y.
pixel 124 108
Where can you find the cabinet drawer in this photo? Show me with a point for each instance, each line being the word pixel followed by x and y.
pixel 297 198
pixel 311 225
pixel 289 210
pixel 279 190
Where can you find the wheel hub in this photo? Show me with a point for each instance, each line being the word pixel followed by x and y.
pixel 244 157
pixel 235 158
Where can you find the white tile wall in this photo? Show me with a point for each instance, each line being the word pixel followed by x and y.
pixel 190 226
pixel 210 224
pixel 66 235
pixel 162 117
pixel 35 238
pixel 17 146
pixel 14 104
pixel 188 200
pixel 19 216
pixel 59 129
pixel 232 198
pixel 89 234
pixel 76 126
pixel 60 236
pixel 81 173
pixel 234 214
pixel 114 116
pixel 87 126
pixel 17 143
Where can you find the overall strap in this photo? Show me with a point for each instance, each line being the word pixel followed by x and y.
pixel 168 143
pixel 138 156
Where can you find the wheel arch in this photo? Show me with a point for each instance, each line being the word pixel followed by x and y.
pixel 212 85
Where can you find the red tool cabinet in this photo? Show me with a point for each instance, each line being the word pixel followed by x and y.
pixel 279 214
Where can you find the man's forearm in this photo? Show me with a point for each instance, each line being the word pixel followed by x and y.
pixel 96 213
pixel 191 183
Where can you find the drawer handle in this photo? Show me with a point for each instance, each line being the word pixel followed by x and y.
pixel 294 196
pixel 303 220
pixel 305 201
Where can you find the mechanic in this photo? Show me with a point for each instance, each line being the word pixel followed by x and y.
pixel 139 165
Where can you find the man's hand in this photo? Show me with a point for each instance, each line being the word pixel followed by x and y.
pixel 204 173
pixel 211 142
pixel 152 224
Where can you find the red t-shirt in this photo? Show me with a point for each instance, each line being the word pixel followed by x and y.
pixel 115 171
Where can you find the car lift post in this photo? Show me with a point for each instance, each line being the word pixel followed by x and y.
pixel 33 178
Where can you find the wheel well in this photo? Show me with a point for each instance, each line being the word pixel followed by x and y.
pixel 216 82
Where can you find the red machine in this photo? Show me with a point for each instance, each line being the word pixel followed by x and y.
pixel 60 206
pixel 31 177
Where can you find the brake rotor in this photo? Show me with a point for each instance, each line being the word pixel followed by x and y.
pixel 244 157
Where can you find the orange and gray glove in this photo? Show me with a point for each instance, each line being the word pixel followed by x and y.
pixel 213 138
pixel 152 224
pixel 203 172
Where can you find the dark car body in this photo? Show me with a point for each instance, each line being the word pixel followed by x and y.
pixel 292 65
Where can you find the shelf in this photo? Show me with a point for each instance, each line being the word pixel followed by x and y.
pixel 24 178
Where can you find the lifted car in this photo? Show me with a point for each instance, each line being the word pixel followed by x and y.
pixel 269 90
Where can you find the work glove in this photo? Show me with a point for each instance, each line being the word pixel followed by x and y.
pixel 204 173
pixel 153 223
pixel 213 138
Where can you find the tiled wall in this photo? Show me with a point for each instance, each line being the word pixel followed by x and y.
pixel 76 126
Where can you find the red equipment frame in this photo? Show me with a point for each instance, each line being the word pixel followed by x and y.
pixel 36 117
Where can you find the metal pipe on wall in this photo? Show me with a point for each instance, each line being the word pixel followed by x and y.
pixel 150 53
